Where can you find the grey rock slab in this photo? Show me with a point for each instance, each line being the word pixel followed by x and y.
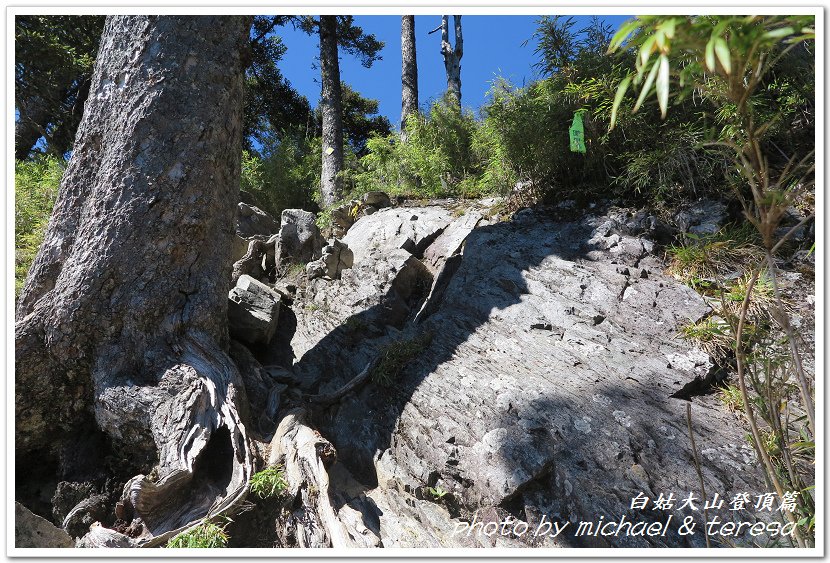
pixel 703 217
pixel 31 530
pixel 253 311
pixel 575 419
pixel 299 239
pixel 376 293
pixel 408 228
pixel 451 240
pixel 252 221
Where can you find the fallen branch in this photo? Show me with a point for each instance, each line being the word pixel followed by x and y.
pixel 331 398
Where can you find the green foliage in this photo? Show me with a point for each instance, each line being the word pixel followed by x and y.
pixel 252 177
pixel 269 482
pixel 702 258
pixel 521 137
pixel 437 493
pixel 286 176
pixel 731 48
pixel 36 184
pixel 205 535
pixel 561 49
pixel 525 135
pixel 285 172
pixel 438 158
pixel 710 329
pixel 394 357
pixel 360 120
pixel 755 75
pixel 54 56
pixel 730 397
pixel 350 38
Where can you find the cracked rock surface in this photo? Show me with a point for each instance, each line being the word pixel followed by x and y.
pixel 545 390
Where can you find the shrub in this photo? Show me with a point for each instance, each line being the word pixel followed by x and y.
pixel 438 158
pixel 204 535
pixel 36 184
pixel 269 482
pixel 288 176
pixel 524 135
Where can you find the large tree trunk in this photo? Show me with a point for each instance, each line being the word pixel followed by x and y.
pixel 331 104
pixel 409 72
pixel 122 323
pixel 452 57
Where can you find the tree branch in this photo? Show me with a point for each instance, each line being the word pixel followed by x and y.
pixel 354 383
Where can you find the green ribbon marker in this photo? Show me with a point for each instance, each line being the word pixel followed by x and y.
pixel 577 133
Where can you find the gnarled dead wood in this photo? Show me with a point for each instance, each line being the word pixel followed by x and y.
pixel 312 519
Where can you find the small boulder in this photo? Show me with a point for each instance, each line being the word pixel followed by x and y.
pixel 252 221
pixel 411 229
pixel 84 514
pixel 315 269
pixel 299 237
pixel 378 200
pixel 99 536
pixel 67 496
pixel 336 258
pixel 704 217
pixel 253 311
pixel 30 530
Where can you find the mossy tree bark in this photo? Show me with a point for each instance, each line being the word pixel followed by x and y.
pixel 122 324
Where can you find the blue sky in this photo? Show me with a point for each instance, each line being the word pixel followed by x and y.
pixel 492 47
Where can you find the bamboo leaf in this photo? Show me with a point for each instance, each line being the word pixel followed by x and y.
pixel 721 26
pixel 669 27
pixel 660 39
pixel 663 85
pixel 622 34
pixel 722 51
pixel 710 55
pixel 647 86
pixel 645 49
pixel 779 33
pixel 618 98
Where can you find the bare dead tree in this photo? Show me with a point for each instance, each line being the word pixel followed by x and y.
pixel 452 56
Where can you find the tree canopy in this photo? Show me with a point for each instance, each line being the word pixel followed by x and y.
pixel 54 56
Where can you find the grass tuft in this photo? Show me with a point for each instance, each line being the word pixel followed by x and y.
pixel 702 259
pixel 269 482
pixel 395 356
pixel 206 535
